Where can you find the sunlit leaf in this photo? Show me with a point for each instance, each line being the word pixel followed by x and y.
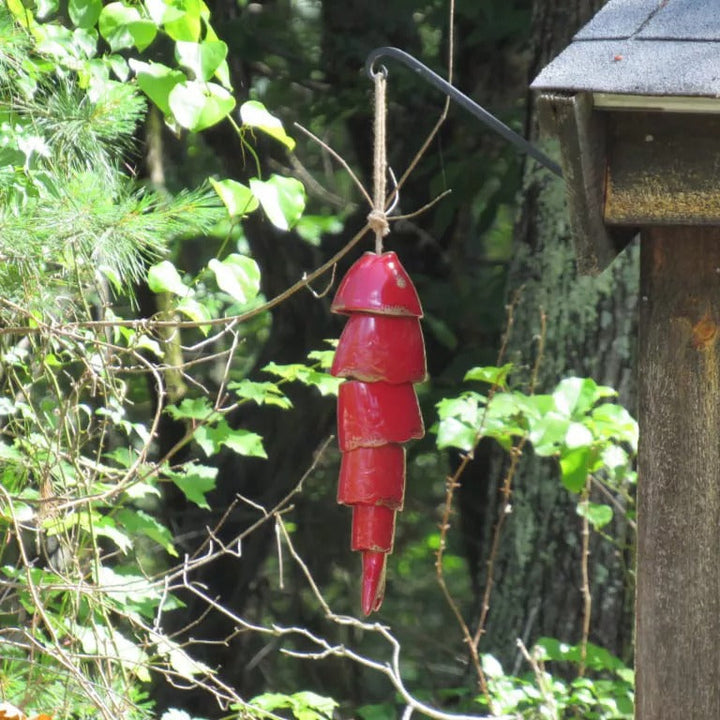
pixel 255 115
pixel 490 374
pixel 574 468
pixel 598 515
pixel 84 13
pixel 238 198
pixel 195 481
pixel 238 276
pixel 198 105
pixel 123 26
pixel 164 277
pixel 202 58
pixel 324 382
pixel 139 522
pixel 282 199
pixel 262 393
pixel 157 81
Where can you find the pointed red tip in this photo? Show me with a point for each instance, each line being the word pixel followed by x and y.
pixel 373 581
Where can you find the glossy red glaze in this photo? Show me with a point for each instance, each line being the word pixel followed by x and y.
pixel 372 414
pixel 373 528
pixel 377 284
pixel 373 581
pixel 381 348
pixel 373 476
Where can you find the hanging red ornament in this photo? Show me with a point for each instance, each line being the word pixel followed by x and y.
pixel 381 352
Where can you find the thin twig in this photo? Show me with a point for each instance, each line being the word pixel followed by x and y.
pixel 587 595
pixel 340 159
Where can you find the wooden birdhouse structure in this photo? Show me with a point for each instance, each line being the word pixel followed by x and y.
pixel 635 104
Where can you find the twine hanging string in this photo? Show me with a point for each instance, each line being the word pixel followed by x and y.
pixel 377 219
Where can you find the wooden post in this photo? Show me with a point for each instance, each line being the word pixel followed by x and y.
pixel 678 563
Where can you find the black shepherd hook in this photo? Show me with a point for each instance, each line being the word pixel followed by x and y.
pixel 463 100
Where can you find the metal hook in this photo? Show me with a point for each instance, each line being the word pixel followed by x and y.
pixel 464 101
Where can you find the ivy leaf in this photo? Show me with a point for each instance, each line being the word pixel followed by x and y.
pixel 198 105
pixel 157 81
pixel 195 481
pixel 238 276
pixel 255 115
pixel 598 515
pixel 164 277
pixel 238 198
pixel 202 58
pixel 84 13
pixel 282 199
pixel 122 26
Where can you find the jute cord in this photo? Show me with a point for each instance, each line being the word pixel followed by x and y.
pixel 377 219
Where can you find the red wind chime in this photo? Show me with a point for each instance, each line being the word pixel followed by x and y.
pixel 381 354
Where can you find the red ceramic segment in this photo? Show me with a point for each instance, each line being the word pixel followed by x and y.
pixel 373 528
pixel 373 476
pixel 372 414
pixel 373 581
pixel 377 284
pixel 381 348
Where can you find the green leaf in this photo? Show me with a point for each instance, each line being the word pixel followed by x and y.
pixel 492 667
pixel 490 374
pixel 574 468
pixel 282 199
pixel 157 81
pixel 575 396
pixel 164 277
pixel 139 522
pixel 191 409
pixel 262 393
pixel 195 481
pixel 243 442
pixel 196 311
pixel 614 421
pixel 238 276
pixel 598 515
pixel 578 435
pixel 452 432
pixel 122 26
pixel 179 660
pixel 202 58
pixel 324 382
pixel 311 228
pixel 255 115
pixel 548 433
pixel 45 8
pixel 198 105
pixel 238 198
pixel 84 13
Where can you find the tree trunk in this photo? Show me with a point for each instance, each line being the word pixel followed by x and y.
pixel 590 332
pixel 678 575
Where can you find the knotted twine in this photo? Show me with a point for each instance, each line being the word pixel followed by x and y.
pixel 377 219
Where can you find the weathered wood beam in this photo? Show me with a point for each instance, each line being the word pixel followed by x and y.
pixel 663 169
pixel 678 568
